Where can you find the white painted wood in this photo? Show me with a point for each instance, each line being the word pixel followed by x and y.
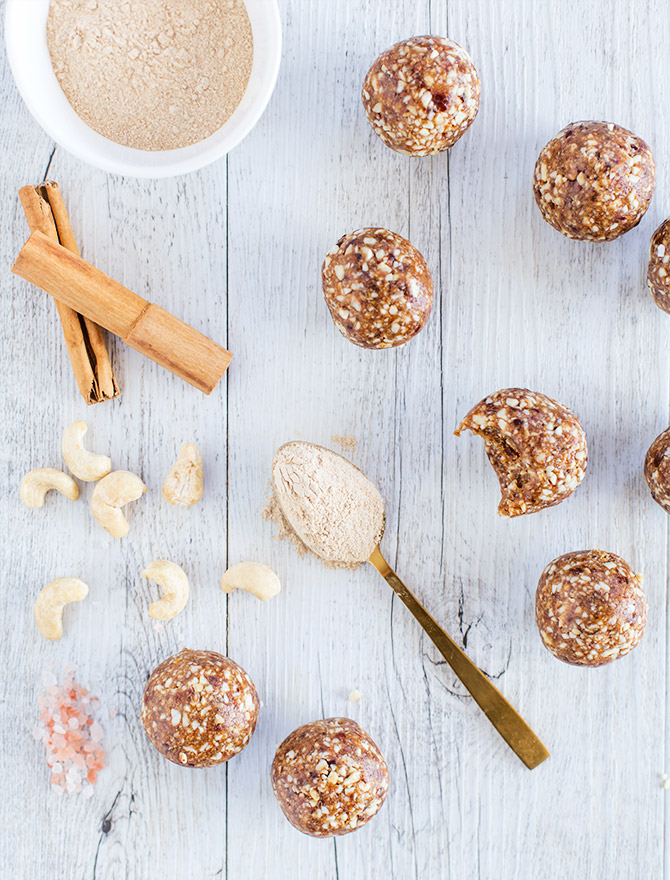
pixel 236 251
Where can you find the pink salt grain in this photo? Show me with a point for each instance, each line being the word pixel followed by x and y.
pixel 72 738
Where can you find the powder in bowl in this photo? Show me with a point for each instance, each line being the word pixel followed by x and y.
pixel 151 74
pixel 332 506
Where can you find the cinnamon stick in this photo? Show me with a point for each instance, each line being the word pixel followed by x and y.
pixel 144 326
pixel 45 212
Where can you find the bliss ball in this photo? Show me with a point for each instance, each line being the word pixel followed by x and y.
pixel 590 608
pixel 329 777
pixel 657 470
pixel 199 708
pixel 536 446
pixel 658 268
pixel 421 95
pixel 594 181
pixel 378 288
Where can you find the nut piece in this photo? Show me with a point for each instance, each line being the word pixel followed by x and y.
pixel 253 577
pixel 658 269
pixel 50 602
pixel 590 608
pixel 594 181
pixel 174 583
pixel 184 483
pixel 329 777
pixel 110 495
pixel 421 95
pixel 378 288
pixel 39 481
pixel 536 447
pixel 657 469
pixel 199 708
pixel 85 465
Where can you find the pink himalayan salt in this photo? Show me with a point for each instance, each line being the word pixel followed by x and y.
pixel 71 736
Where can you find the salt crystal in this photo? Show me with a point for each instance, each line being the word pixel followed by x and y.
pixel 87 791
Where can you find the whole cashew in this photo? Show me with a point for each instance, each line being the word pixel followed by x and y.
pixel 50 602
pixel 110 495
pixel 39 481
pixel 184 482
pixel 174 583
pixel 253 577
pixel 88 466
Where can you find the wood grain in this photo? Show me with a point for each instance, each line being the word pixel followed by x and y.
pixel 235 250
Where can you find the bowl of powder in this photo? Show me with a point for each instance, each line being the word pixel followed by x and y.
pixel 145 88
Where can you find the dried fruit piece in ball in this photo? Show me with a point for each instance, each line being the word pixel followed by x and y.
pixel 536 447
pixel 657 469
pixel 594 181
pixel 658 268
pixel 590 608
pixel 378 288
pixel 199 708
pixel 329 777
pixel 421 95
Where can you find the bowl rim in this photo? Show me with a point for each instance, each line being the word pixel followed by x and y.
pixel 83 142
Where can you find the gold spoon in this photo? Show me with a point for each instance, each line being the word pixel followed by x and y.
pixel 312 485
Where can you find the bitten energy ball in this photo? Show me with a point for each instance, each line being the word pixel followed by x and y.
pixel 199 708
pixel 421 95
pixel 329 777
pixel 590 608
pixel 378 288
pixel 536 447
pixel 594 181
pixel 657 469
pixel 658 269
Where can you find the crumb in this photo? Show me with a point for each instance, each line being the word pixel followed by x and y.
pixel 346 442
pixel 665 781
pixel 158 627
pixel 354 696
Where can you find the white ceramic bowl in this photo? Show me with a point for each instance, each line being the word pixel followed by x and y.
pixel 28 54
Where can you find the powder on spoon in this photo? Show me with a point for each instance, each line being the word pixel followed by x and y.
pixel 331 505
pixel 151 74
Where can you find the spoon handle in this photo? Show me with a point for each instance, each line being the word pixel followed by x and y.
pixel 509 724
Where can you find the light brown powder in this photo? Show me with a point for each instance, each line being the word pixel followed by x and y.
pixel 332 507
pixel 346 442
pixel 151 74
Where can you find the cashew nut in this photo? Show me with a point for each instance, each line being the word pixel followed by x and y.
pixel 50 602
pixel 38 482
pixel 88 466
pixel 174 583
pixel 110 495
pixel 253 577
pixel 183 484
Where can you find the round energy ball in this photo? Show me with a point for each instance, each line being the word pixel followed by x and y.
pixel 536 446
pixel 657 470
pixel 590 608
pixel 421 95
pixel 329 777
pixel 378 288
pixel 658 269
pixel 594 181
pixel 199 708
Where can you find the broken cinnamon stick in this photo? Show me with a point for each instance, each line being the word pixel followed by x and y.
pixel 144 326
pixel 45 212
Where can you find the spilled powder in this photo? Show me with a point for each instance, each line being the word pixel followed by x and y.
pixel 331 506
pixel 151 74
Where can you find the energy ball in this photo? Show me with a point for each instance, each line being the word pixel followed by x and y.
pixel 594 181
pixel 536 447
pixel 590 608
pixel 329 777
pixel 657 470
pixel 658 269
pixel 199 708
pixel 378 288
pixel 421 95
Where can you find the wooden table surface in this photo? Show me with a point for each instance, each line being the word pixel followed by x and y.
pixel 236 250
